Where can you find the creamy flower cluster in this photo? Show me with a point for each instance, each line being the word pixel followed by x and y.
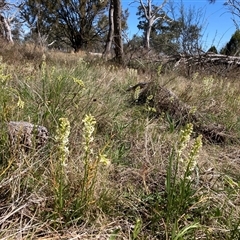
pixel 188 162
pixel 62 138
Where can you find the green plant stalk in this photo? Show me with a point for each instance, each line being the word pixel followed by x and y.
pixel 179 191
pixel 90 162
pixel 60 190
pixel 44 77
pixel 185 189
pixel 137 229
pixel 171 186
pixel 180 234
pixel 62 135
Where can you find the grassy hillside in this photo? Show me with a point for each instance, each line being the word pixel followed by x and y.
pixel 113 168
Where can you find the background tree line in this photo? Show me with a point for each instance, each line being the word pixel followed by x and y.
pixel 101 25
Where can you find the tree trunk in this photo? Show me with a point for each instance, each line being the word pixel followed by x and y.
pixel 110 31
pixel 77 42
pixel 6 28
pixel 118 31
pixel 147 35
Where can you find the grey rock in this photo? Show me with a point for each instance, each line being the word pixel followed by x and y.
pixel 27 135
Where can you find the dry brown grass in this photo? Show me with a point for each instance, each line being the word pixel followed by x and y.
pixel 137 142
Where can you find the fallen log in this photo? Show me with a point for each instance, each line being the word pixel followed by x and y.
pixel 205 58
pixel 164 100
pixel 92 54
pixel 209 63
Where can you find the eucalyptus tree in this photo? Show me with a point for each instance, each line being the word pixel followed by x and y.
pixel 117 21
pixel 110 35
pixel 176 30
pixel 8 11
pixel 163 33
pixel 151 13
pixel 73 22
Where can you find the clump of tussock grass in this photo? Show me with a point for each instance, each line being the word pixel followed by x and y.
pixel 18 54
pixel 216 98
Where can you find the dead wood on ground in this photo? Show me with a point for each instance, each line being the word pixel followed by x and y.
pixel 164 100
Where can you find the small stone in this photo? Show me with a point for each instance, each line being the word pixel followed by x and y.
pixel 27 135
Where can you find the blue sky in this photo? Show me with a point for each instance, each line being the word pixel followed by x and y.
pixel 218 25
